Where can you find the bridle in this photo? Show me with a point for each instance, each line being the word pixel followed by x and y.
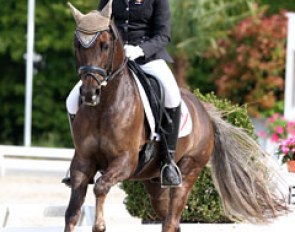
pixel 90 71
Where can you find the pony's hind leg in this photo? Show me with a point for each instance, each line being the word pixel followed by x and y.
pixel 79 183
pixel 159 197
pixel 179 196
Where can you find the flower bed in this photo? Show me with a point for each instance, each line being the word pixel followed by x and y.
pixel 286 150
pixel 279 128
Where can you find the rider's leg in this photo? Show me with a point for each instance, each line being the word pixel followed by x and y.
pixel 72 105
pixel 170 174
pixel 72 102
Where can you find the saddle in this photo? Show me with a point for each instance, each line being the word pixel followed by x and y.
pixel 155 112
pixel 154 91
pixel 155 94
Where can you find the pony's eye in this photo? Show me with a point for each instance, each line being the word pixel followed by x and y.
pixel 105 46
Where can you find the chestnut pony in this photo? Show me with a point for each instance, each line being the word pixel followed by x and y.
pixel 109 130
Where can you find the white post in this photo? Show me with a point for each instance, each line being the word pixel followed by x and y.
pixel 289 111
pixel 29 73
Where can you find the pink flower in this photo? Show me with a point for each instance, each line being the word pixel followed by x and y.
pixel 291 124
pixel 279 129
pixel 262 134
pixel 272 119
pixel 285 150
pixel 275 138
pixel 284 143
pixel 276 116
pixel 291 127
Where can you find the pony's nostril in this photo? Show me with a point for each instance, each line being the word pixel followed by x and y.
pixel 97 91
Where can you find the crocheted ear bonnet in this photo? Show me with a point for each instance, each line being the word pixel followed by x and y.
pixel 94 21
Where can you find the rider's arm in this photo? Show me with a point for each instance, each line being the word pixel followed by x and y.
pixel 162 29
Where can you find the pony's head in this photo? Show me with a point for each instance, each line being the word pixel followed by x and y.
pixel 98 50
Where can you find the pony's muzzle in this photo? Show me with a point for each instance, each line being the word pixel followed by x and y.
pixel 91 96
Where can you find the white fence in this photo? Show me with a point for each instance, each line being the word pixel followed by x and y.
pixel 48 214
pixel 290 69
pixel 34 158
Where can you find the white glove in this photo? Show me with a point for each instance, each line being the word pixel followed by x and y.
pixel 133 52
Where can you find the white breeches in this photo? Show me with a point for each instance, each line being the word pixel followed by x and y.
pixel 157 68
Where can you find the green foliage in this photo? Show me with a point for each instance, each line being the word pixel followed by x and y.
pixel 54 76
pixel 137 201
pixel 12 47
pixel 250 64
pixel 198 74
pixel 235 114
pixel 276 6
pixel 196 25
pixel 204 203
pixel 200 68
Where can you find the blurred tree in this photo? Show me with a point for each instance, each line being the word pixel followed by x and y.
pixel 12 47
pixel 196 25
pixel 251 63
pixel 54 76
pixel 276 6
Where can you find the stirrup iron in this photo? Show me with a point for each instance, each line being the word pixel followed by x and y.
pixel 173 165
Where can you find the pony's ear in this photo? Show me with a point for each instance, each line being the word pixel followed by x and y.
pixel 76 13
pixel 107 10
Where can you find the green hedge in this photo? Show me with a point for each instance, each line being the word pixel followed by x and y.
pixel 204 203
pixel 276 6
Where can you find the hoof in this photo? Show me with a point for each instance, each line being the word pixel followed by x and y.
pixel 66 181
pixel 99 228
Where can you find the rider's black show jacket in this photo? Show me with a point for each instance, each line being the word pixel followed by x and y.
pixel 145 23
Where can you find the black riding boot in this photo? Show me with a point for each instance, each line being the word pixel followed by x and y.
pixel 67 179
pixel 170 173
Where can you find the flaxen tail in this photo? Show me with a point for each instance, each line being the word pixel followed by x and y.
pixel 245 175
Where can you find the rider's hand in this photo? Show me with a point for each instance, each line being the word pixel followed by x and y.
pixel 133 52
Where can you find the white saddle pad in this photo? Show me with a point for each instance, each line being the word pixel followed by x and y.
pixel 186 125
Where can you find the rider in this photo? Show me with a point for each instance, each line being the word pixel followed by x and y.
pixel 144 26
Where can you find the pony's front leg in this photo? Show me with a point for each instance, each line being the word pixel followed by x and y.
pixel 80 175
pixel 117 171
pixel 73 211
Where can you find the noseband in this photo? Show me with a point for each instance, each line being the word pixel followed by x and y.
pixel 90 71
